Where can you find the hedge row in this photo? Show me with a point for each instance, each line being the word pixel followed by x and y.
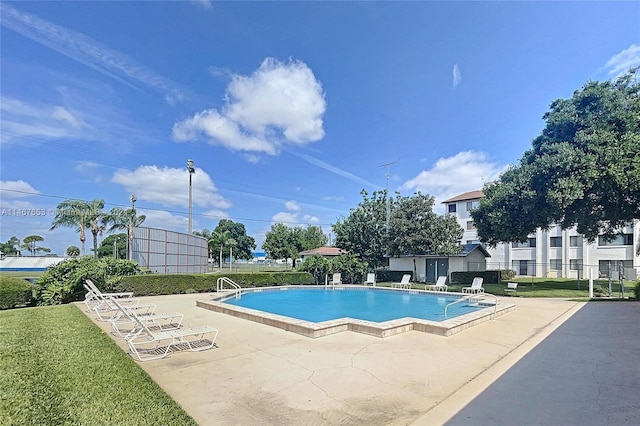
pixel 14 292
pixel 151 285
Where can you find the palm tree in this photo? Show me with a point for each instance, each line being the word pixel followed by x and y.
pixel 73 214
pixel 221 238
pixel 210 240
pixel 96 214
pixel 124 219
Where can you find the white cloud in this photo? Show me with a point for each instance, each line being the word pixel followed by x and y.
pixel 307 218
pixel 279 104
pixel 621 62
pixel 292 205
pixel 465 171
pixel 22 119
pixel 87 51
pixel 285 218
pixel 333 169
pixel 457 76
pixel 165 220
pixel 204 4
pixel 169 186
pixel 17 189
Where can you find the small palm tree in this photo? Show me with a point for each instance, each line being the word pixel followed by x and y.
pixel 124 219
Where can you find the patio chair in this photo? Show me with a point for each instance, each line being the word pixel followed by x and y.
pixel 147 344
pixel 91 298
pixel 440 285
pixel 105 309
pixel 154 320
pixel 404 283
pixel 476 286
pixel 336 280
pixel 371 279
pixel 511 288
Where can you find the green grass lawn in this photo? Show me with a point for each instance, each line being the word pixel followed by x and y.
pixel 545 287
pixel 57 368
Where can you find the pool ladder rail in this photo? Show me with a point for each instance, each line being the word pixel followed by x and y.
pixel 220 283
pixel 475 299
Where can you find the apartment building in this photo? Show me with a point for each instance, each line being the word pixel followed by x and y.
pixel 554 252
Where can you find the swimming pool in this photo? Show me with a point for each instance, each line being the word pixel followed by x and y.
pixel 408 310
pixel 317 305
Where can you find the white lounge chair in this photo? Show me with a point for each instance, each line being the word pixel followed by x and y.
pixel 105 309
pixel 336 279
pixel 476 286
pixel 154 320
pixel 91 298
pixel 404 283
pixel 147 344
pixel 440 285
pixel 371 279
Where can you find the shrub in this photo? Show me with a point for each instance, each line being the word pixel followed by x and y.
pixel 63 283
pixel 636 290
pixel 350 266
pixel 14 292
pixel 318 266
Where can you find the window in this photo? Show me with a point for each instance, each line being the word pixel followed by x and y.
pixel 575 264
pixel 470 225
pixel 555 241
pixel 524 267
pixel 452 208
pixel 471 205
pixel 531 242
pixel 555 264
pixel 618 240
pixel 575 241
pixel 613 268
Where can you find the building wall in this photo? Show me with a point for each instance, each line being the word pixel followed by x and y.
pixel 577 260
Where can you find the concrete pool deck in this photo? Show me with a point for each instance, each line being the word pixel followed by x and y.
pixel 263 375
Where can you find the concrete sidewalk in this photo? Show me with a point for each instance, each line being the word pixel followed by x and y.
pixel 267 376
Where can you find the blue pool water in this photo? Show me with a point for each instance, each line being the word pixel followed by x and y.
pixel 317 305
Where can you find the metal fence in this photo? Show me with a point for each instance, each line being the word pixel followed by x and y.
pixel 169 252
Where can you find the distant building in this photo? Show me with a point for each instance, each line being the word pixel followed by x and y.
pixel 554 252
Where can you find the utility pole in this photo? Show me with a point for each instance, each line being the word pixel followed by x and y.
pixel 386 171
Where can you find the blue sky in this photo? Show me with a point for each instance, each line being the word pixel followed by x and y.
pixel 289 109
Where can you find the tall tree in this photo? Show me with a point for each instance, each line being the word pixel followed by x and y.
pixel 312 237
pixel 114 245
pixel 281 243
pixel 11 246
pixel 74 214
pixel 210 237
pixel 364 231
pixel 30 243
pixel 244 244
pixel 96 224
pixel 583 169
pixel 417 229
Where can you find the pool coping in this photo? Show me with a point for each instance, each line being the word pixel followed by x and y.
pixel 379 329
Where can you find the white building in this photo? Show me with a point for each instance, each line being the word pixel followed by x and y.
pixel 554 252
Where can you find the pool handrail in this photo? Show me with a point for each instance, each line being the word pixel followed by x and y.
pixel 478 296
pixel 234 286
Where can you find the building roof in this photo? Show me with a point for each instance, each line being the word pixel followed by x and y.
pixel 472 195
pixel 324 251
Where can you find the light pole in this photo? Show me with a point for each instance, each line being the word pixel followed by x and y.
pixel 133 200
pixel 191 170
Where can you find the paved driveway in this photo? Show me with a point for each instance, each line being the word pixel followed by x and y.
pixel 587 372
